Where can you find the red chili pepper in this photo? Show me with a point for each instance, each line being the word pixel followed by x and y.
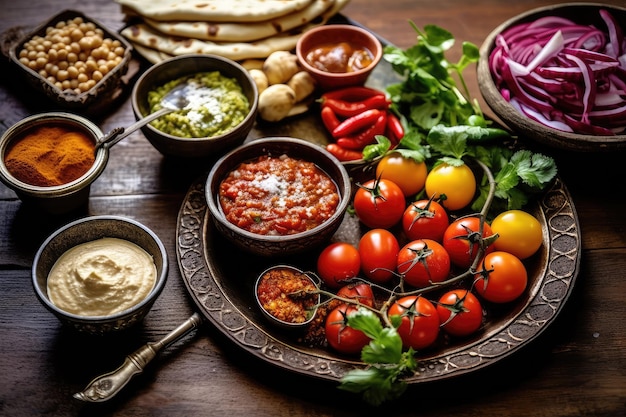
pixel 329 118
pixel 343 154
pixel 356 93
pixel 366 136
pixel 350 108
pixel 353 124
pixel 395 126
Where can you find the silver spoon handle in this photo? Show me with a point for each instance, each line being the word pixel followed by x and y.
pixel 106 386
pixel 120 133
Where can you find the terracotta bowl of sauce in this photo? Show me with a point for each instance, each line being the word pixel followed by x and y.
pixel 104 275
pixel 299 192
pixel 49 160
pixel 339 55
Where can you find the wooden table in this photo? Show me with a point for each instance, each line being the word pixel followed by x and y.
pixel 575 368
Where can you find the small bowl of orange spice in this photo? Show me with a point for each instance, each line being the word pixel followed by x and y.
pixel 287 296
pixel 50 160
pixel 339 55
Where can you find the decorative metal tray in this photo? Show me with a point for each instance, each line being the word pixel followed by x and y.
pixel 220 280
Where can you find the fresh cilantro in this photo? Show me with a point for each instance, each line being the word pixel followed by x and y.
pixel 387 363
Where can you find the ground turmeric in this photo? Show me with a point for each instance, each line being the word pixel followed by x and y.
pixel 50 155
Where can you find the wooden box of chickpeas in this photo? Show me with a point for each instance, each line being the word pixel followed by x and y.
pixel 74 61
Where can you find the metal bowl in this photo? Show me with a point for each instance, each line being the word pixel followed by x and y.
pixel 85 230
pixel 581 13
pixel 60 198
pixel 181 66
pixel 92 101
pixel 273 245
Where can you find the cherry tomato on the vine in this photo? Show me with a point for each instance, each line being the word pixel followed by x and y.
pixel 462 240
pixel 338 262
pixel 423 262
pixel 457 183
pixel 407 173
pixel 419 327
pixel 379 203
pixel 339 335
pixel 501 277
pixel 359 291
pixel 460 312
pixel 425 219
pixel 518 232
pixel 379 251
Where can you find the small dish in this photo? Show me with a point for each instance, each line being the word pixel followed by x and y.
pixel 355 37
pixel 90 229
pixel 281 294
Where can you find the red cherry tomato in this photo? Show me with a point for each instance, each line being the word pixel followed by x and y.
pixel 361 292
pixel 423 262
pixel 342 337
pixel 338 262
pixel 425 219
pixel 378 249
pixel 462 240
pixel 500 277
pixel 419 327
pixel 379 203
pixel 460 312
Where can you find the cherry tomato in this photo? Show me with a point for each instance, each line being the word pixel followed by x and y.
pixel 460 312
pixel 462 240
pixel 425 219
pixel 423 262
pixel 419 327
pixel 338 262
pixel 407 173
pixel 379 203
pixel 458 184
pixel 378 249
pixel 519 233
pixel 339 335
pixel 500 277
pixel 360 291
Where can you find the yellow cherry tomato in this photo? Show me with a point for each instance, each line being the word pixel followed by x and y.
pixel 406 173
pixel 456 182
pixel 519 232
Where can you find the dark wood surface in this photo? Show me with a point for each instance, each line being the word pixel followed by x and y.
pixel 575 368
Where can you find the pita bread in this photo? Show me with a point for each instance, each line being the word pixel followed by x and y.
pixel 214 10
pixel 161 46
pixel 242 32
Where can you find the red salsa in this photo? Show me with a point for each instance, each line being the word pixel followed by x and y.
pixel 287 295
pixel 278 196
pixel 339 57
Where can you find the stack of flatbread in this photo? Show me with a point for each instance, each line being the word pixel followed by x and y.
pixel 235 29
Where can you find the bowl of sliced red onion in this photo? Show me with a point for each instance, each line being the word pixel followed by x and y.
pixel 557 75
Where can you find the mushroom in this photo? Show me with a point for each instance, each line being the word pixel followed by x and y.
pixel 280 66
pixel 276 101
pixel 302 84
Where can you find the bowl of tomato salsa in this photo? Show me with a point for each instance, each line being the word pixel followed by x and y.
pixel 278 196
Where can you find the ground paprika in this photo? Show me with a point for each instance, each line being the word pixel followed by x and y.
pixel 50 155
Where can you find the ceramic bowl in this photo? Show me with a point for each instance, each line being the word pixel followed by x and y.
pixel 274 245
pixel 85 230
pixel 185 65
pixel 56 199
pixel 580 13
pixel 92 101
pixel 285 272
pixel 331 34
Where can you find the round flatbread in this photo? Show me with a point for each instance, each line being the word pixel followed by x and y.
pixel 214 10
pixel 242 32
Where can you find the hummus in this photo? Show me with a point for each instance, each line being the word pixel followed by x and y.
pixel 101 277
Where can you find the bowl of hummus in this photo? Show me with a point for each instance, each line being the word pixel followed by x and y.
pixel 221 108
pixel 101 273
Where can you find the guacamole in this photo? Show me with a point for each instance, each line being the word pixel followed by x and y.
pixel 216 105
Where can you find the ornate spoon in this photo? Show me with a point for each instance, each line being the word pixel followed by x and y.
pixel 106 386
